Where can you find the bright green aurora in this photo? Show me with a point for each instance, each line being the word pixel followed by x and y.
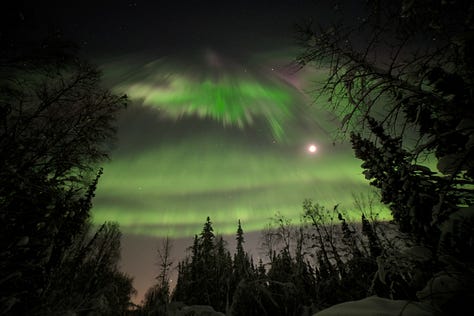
pixel 222 138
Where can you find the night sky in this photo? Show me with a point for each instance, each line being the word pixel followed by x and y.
pixel 219 123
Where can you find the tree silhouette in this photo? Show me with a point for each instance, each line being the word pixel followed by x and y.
pixel 56 124
pixel 243 268
pixel 203 279
pixel 88 280
pixel 407 95
pixel 157 297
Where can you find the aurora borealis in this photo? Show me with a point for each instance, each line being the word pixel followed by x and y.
pixel 202 138
pixel 219 123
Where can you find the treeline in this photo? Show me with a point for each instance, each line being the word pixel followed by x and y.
pixel 322 261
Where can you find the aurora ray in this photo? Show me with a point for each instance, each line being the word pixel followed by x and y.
pixel 213 87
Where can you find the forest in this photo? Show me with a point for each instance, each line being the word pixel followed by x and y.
pixel 400 80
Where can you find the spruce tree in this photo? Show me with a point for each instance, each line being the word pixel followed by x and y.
pixel 223 274
pixel 242 266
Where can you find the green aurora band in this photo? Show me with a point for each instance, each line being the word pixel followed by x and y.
pixel 229 143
